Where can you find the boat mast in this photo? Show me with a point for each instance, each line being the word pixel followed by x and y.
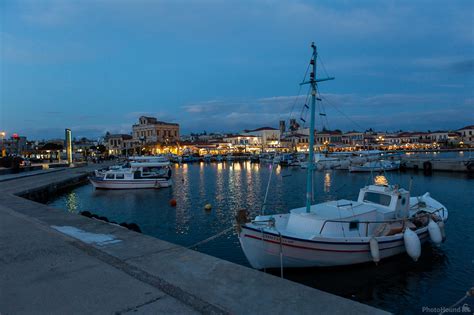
pixel 312 81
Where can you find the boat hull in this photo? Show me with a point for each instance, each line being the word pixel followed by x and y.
pixel 359 169
pixel 131 184
pixel 263 249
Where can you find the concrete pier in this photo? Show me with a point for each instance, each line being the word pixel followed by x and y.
pixel 429 164
pixel 56 262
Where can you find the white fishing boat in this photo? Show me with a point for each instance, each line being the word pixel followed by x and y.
pixel 340 160
pixel 376 166
pixel 140 172
pixel 383 222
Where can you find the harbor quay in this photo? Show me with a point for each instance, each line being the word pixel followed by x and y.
pixel 57 262
pixel 230 157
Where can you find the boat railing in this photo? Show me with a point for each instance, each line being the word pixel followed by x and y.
pixel 367 223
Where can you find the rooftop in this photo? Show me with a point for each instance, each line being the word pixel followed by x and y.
pixel 119 135
pixel 260 129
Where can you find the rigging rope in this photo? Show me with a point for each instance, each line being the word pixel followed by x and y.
pixel 342 113
pixel 322 64
pixel 299 91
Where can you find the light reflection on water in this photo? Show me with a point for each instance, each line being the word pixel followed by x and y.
pixel 327 182
pixel 71 202
pixel 396 284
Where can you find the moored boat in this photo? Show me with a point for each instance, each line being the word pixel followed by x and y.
pixel 376 166
pixel 340 232
pixel 137 174
pixel 383 222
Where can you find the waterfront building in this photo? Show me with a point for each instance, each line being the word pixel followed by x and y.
pixel 267 136
pixel 16 145
pixel 438 136
pixel 116 144
pixel 295 141
pixel 326 137
pixel 454 138
pixel 353 138
pixel 467 135
pixel 149 130
pixel 244 142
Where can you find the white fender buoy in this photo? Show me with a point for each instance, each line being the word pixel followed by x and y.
pixel 441 229
pixel 412 244
pixel 374 250
pixel 435 233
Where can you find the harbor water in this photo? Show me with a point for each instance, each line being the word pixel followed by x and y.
pixel 439 279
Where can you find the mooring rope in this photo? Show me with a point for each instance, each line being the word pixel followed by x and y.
pixel 469 293
pixel 198 243
pixel 211 238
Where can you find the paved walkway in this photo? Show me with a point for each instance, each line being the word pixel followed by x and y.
pixel 4 178
pixel 55 262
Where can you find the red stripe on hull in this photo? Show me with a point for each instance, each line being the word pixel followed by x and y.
pixel 320 249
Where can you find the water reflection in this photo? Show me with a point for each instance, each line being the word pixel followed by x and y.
pixel 397 284
pixel 72 202
pixel 327 182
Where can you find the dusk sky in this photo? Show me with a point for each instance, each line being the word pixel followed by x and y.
pixel 96 66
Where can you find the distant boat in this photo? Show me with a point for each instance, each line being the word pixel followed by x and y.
pixel 376 166
pixel 285 159
pixel 383 222
pixel 139 173
pixel 254 158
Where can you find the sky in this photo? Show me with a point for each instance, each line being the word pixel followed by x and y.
pixel 224 66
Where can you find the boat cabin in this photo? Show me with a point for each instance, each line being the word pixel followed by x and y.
pixel 389 200
pixel 376 203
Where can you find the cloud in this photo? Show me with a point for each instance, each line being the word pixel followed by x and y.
pixel 463 66
pixel 343 110
pixel 457 64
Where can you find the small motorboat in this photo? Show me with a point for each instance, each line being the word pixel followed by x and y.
pixel 143 172
pixel 383 222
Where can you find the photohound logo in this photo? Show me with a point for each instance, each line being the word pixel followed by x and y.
pixel 465 308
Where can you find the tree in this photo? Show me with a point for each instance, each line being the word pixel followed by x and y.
pixel 52 147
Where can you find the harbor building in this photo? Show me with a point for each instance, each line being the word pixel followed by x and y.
pixel 467 135
pixel 116 144
pixel 149 130
pixel 268 136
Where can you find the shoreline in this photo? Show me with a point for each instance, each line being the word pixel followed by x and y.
pixel 187 280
